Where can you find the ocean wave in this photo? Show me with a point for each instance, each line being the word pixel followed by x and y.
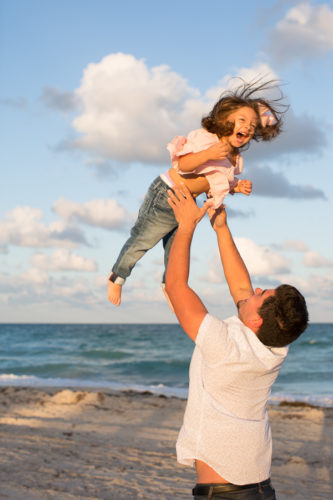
pixel 32 381
pixel 323 400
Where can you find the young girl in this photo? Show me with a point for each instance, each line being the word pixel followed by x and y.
pixel 206 162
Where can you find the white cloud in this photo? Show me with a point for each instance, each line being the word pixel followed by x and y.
pixel 315 288
pixel 306 31
pixel 101 282
pixel 228 82
pixel 77 290
pixel 36 277
pixel 35 286
pixel 130 112
pixel 140 295
pixel 102 213
pixel 261 260
pixel 258 71
pixel 61 260
pixel 295 245
pixel 214 272
pixel 314 259
pixel 22 227
pixel 9 284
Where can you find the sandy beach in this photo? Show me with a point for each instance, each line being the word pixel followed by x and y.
pixel 103 445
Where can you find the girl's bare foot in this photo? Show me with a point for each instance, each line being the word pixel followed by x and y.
pixel 114 293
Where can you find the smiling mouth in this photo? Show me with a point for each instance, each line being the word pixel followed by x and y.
pixel 242 135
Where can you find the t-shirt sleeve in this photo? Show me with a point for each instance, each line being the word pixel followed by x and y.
pixel 179 146
pixel 197 140
pixel 213 339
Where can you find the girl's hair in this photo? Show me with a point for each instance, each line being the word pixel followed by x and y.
pixel 247 94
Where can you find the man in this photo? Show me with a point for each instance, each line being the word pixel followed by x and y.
pixel 226 430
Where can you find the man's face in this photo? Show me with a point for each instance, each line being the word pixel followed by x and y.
pixel 248 308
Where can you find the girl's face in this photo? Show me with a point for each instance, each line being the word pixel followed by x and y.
pixel 246 121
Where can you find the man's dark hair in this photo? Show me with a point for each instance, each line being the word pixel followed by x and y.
pixel 285 317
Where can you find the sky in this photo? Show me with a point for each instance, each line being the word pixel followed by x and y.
pixel 91 92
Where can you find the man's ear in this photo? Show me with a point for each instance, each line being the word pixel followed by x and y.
pixel 255 323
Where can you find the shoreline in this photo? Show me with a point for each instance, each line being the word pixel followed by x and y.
pixel 317 400
pixel 100 444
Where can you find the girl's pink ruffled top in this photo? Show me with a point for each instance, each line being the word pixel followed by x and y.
pixel 220 173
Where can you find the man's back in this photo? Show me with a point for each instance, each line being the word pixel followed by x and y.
pixel 226 423
pixel 226 429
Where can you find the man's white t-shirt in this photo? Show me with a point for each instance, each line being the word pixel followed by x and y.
pixel 226 422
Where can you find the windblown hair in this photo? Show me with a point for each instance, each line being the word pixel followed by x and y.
pixel 251 96
pixel 284 315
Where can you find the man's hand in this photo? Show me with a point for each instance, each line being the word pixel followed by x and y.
pixel 186 211
pixel 218 217
pixel 188 307
pixel 244 186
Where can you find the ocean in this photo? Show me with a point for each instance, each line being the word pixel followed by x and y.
pixel 146 357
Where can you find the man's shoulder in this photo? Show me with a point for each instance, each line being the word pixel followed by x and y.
pixel 211 324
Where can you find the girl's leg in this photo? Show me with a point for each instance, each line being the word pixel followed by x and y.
pixel 155 220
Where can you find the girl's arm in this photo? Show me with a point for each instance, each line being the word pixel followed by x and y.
pixel 190 161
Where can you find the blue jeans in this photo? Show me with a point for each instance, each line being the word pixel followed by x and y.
pixel 255 492
pixel 155 222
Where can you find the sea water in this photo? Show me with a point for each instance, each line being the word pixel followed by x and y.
pixel 146 357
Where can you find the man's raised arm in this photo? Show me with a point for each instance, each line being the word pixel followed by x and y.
pixel 187 305
pixel 234 268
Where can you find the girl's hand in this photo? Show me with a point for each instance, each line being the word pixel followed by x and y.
pixel 218 151
pixel 244 186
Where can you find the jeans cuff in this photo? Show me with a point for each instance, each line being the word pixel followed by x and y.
pixel 117 280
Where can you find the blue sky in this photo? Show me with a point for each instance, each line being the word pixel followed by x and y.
pixel 90 94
